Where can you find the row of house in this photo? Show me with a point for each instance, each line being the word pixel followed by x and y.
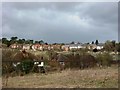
pixel 66 47
pixel 82 46
pixel 35 46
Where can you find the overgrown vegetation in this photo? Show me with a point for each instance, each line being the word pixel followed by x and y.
pixel 79 60
pixel 104 59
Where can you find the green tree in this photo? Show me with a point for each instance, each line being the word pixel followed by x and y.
pixel 46 43
pixel 113 43
pixel 31 41
pixel 41 42
pixel 23 40
pixel 92 42
pixel 36 42
pixel 13 40
pixel 4 40
pixel 96 42
pixel 72 42
pixel 20 41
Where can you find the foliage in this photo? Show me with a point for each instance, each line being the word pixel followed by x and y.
pixel 95 50
pixel 80 61
pixel 27 65
pixel 109 45
pixel 104 59
pixel 7 68
pixel 117 47
pixel 54 65
pixel 52 55
pixel 20 41
pixel 72 42
pixel 7 54
pixel 92 42
pixel 96 42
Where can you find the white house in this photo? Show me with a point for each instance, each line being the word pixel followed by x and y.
pixel 75 46
pixel 100 46
pixel 26 46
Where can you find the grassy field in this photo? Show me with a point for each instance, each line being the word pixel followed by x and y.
pixel 87 78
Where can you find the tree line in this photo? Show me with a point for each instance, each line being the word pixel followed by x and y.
pixel 20 41
pixel 112 46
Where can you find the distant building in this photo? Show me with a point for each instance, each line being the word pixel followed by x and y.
pixel 16 46
pixel 100 46
pixel 65 47
pixel 91 46
pixel 75 46
pixel 26 46
pixel 56 47
pixel 45 47
pixel 72 46
pixel 94 46
pixel 37 47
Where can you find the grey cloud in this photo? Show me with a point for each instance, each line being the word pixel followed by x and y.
pixel 60 22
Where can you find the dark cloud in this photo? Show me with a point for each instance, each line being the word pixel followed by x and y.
pixel 61 22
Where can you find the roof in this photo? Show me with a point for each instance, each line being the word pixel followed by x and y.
pixel 100 44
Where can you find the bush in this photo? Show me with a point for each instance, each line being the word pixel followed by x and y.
pixel 27 65
pixel 52 66
pixel 7 68
pixel 75 61
pixel 87 61
pixel 51 55
pixel 80 61
pixel 104 59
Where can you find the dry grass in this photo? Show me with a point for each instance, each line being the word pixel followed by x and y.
pixel 88 78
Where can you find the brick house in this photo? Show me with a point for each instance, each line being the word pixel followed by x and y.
pixel 16 46
pixel 37 47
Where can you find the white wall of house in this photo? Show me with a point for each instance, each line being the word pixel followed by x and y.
pixel 80 47
pixel 26 47
pixel 75 47
pixel 40 48
pixel 99 47
pixel 14 46
pixel 37 47
pixel 39 64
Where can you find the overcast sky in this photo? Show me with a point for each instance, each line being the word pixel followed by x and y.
pixel 61 22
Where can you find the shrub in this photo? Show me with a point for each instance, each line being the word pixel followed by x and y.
pixel 54 65
pixel 7 68
pixel 104 59
pixel 87 61
pixel 51 55
pixel 80 61
pixel 95 50
pixel 27 66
